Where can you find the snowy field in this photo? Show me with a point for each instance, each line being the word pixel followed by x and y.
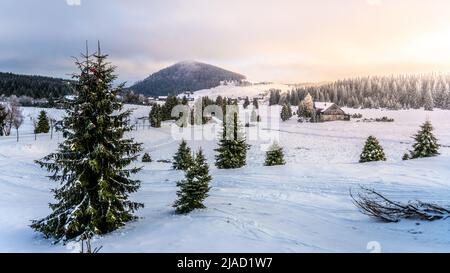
pixel 233 91
pixel 303 206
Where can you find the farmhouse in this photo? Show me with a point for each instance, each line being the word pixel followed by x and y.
pixel 328 111
pixel 188 94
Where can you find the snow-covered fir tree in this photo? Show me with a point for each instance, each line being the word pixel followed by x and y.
pixel 232 151
pixel 255 103
pixel 309 103
pixel 275 155
pixel 428 100
pixel 42 125
pixel 193 190
pixel 372 151
pixel 286 112
pixel 246 103
pixel 275 96
pixel 183 158
pixel 146 158
pixel 302 111
pixel 392 92
pixel 426 144
pixel 91 165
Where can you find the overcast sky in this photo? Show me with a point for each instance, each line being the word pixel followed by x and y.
pixel 273 40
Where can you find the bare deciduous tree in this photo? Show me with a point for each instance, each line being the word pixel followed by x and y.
pixel 17 121
pixel 378 206
pixel 13 115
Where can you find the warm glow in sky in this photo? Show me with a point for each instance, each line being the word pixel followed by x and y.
pixel 272 40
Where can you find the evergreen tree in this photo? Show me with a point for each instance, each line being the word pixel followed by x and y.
pixel 155 116
pixel 302 111
pixel 274 156
pixel 219 100
pixel 42 125
pixel 232 151
pixel 195 187
pixel 426 143
pixel 275 97
pixel 166 109
pixel 192 117
pixel 146 158
pixel 255 103
pixel 289 110
pixel 428 101
pixel 313 116
pixel 182 159
pixel 372 151
pixel 405 156
pixel 286 112
pixel 309 103
pixel 91 164
pixel 246 103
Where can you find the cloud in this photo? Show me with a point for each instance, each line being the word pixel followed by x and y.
pixel 268 40
pixel 73 2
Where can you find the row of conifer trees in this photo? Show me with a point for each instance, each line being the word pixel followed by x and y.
pixel 425 145
pixel 231 154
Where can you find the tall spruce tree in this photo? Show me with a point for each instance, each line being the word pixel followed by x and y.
pixel 255 103
pixel 246 103
pixel 286 112
pixel 372 151
pixel 426 143
pixel 155 116
pixel 166 109
pixel 92 163
pixel 195 187
pixel 232 151
pixel 428 101
pixel 274 156
pixel 42 125
pixel 183 158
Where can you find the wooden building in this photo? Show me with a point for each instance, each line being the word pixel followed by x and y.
pixel 328 111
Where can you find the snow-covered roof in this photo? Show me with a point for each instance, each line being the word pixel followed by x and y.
pixel 323 106
pixel 70 97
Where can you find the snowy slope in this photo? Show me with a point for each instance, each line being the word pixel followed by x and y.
pixel 233 91
pixel 301 207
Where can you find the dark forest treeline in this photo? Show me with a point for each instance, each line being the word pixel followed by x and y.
pixel 37 87
pixel 392 92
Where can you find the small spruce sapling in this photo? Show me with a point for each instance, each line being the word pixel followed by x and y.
pixel 193 190
pixel 372 151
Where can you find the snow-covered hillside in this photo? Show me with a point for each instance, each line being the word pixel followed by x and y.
pixel 303 206
pixel 233 91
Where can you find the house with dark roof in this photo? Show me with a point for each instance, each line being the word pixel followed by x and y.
pixel 328 111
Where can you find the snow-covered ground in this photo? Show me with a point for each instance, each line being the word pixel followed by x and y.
pixel 233 91
pixel 303 206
